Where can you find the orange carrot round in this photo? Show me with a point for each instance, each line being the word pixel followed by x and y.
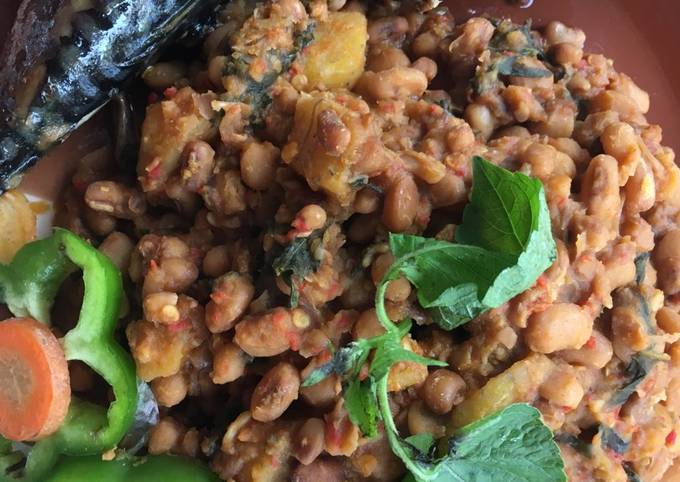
pixel 34 380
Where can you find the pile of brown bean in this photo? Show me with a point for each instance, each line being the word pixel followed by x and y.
pixel 209 321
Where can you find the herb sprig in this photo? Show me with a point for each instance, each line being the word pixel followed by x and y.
pixel 505 244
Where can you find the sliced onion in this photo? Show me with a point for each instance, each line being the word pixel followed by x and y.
pixel 17 224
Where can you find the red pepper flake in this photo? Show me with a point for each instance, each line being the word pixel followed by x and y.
pixel 152 98
pixel 278 317
pixel 170 92
pixel 671 437
pixel 299 224
pixel 179 326
pixel 591 343
pixel 324 356
pixel 542 281
pixel 153 265
pixel 293 340
pixel 217 296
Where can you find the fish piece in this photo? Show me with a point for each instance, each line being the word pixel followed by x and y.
pixel 62 64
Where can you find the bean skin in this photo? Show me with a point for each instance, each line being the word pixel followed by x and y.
pixel 561 326
pixel 231 295
pixel 442 390
pixel 267 334
pixel 401 204
pixel 275 392
pixel 309 442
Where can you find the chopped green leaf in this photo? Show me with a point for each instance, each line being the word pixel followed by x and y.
pixel 641 267
pixel 511 65
pixel 611 440
pixel 512 445
pixel 346 361
pixel 362 405
pixel 630 472
pixel 293 264
pixel 639 367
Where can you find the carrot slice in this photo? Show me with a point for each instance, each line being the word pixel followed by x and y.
pixel 34 380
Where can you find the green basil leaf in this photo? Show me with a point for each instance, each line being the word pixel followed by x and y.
pixel 512 445
pixel 506 243
pixel 423 442
pixel 293 264
pixel 362 405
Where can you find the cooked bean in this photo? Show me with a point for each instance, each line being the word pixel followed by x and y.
pixel 421 420
pixel 161 307
pixel 425 45
pixel 668 320
pixel 401 204
pixel 619 141
pixel 275 392
pixel 164 74
pixel 169 391
pixel 366 201
pixel 326 470
pixel 115 199
pixel 442 390
pixel 386 58
pixel 367 325
pixel 229 363
pixel 216 261
pixel 230 297
pixel 447 192
pixel 394 83
pixel 172 274
pixel 309 218
pixel 562 388
pixel 560 326
pixel 267 334
pixel 566 53
pixel 99 222
pixel 480 119
pixel 397 290
pixel 427 66
pixel 557 32
pixel 322 394
pixel 309 441
pixel 667 261
pixel 258 165
pixel 118 247
pixel 600 186
pixel 362 228
pixel 165 436
pixel 667 247
pixel 198 165
pixel 387 30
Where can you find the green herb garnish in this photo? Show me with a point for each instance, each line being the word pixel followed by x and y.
pixel 639 367
pixel 293 264
pixel 508 244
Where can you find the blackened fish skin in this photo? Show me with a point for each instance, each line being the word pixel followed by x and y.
pixel 79 73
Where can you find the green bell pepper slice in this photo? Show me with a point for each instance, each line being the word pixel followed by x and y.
pixel 152 468
pixel 28 285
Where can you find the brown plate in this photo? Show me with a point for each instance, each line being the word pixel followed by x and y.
pixel 638 35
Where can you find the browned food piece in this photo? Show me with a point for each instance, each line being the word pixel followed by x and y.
pixel 168 127
pixel 335 142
